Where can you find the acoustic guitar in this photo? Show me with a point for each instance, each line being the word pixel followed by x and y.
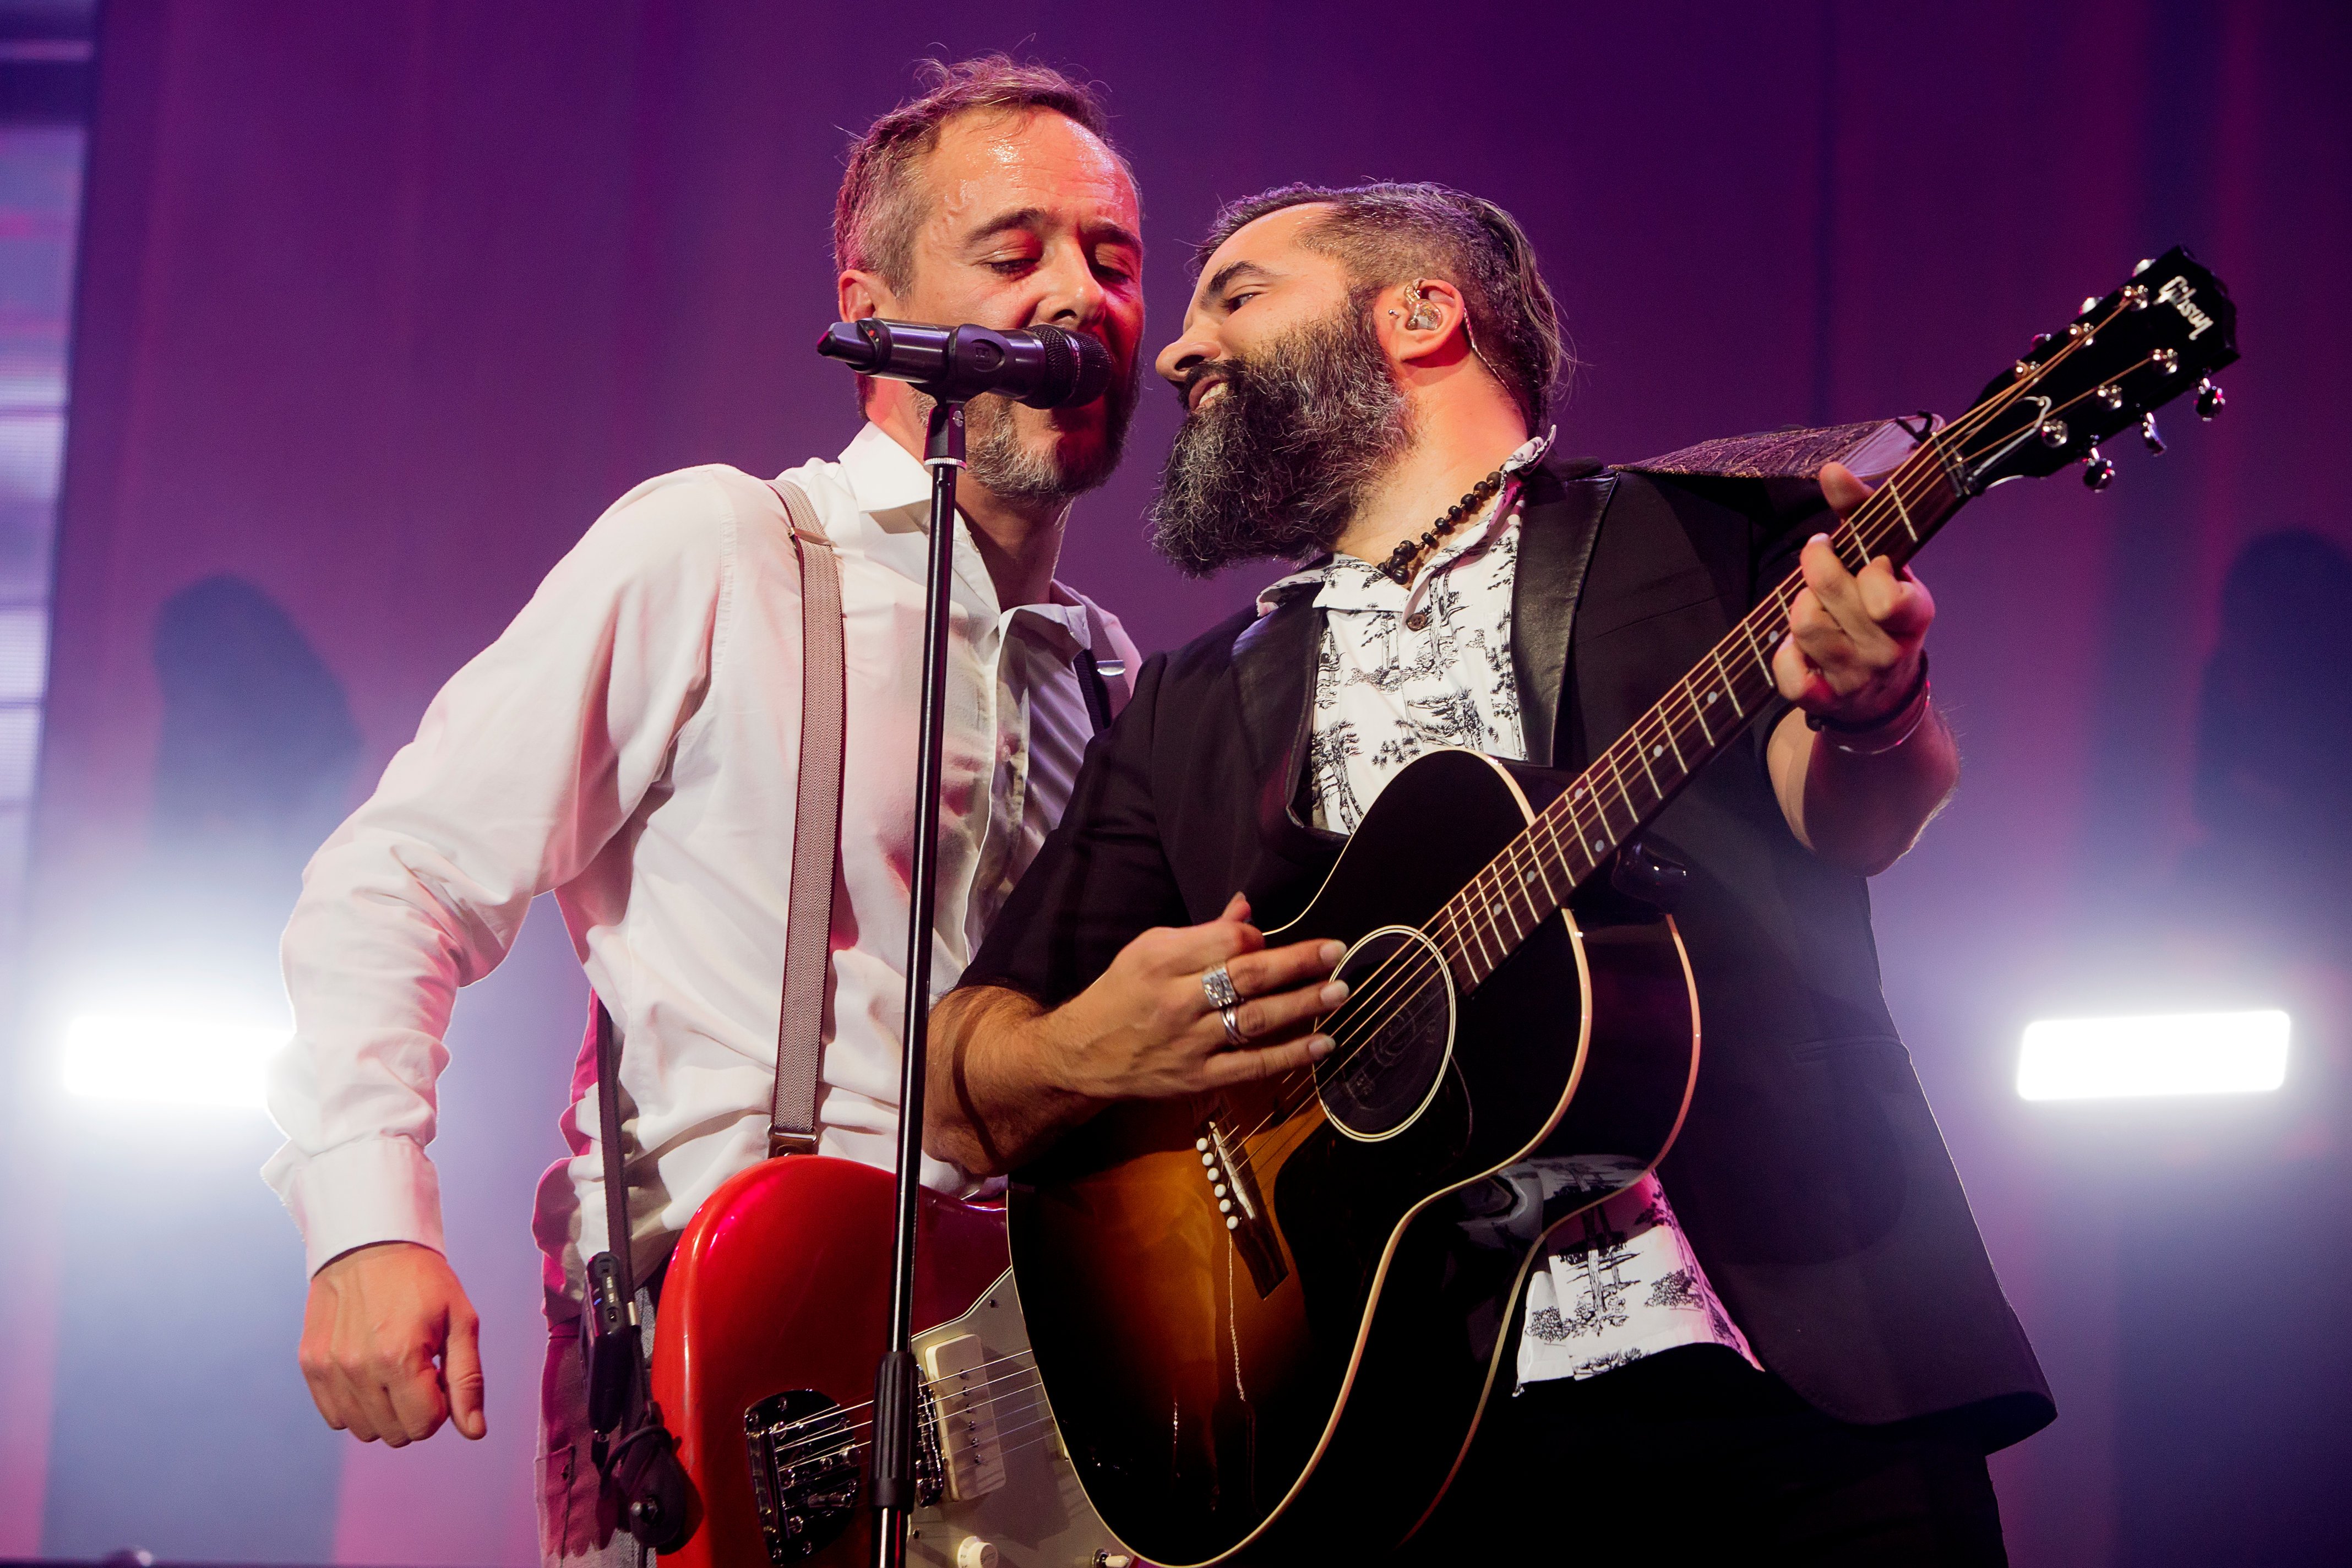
pixel 1268 1319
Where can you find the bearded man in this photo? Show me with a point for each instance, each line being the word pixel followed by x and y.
pixel 631 743
pixel 1788 1335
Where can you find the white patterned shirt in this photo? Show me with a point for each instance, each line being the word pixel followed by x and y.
pixel 1404 670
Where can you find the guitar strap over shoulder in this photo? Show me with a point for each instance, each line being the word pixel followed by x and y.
pixel 816 833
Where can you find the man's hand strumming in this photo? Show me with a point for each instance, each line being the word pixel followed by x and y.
pixel 1008 1077
pixel 391 1346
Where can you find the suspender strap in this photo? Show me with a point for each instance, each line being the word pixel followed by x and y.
pixel 816 833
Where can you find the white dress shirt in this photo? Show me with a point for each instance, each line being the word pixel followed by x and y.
pixel 631 742
pixel 1407 668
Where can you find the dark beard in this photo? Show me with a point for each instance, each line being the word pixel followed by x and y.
pixel 995 455
pixel 1279 461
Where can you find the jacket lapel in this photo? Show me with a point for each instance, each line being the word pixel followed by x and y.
pixel 1559 522
pixel 1274 672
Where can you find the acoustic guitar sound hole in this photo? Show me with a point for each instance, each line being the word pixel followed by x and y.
pixel 1392 1038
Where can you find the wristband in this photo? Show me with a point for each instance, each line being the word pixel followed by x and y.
pixel 1905 720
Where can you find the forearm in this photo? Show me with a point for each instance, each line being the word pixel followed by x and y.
pixel 1858 810
pixel 992 1101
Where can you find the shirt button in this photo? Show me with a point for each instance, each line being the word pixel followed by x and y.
pixel 1417 622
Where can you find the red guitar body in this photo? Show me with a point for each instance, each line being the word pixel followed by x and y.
pixel 781 1283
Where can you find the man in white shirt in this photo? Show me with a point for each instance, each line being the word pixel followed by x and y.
pixel 630 742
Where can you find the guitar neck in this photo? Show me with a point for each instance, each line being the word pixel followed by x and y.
pixel 1631 782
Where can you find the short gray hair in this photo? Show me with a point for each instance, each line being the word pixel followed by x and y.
pixel 1385 232
pixel 876 216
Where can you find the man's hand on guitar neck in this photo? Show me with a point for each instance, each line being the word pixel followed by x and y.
pixel 1858 793
pixel 1007 1075
pixel 391 1346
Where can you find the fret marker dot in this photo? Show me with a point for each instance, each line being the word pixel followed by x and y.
pixel 1495 911
pixel 1596 847
pixel 1657 751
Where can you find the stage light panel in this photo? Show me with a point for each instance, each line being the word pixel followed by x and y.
pixel 2152 1054
pixel 167 1060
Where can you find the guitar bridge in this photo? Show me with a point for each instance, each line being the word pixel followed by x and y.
pixel 808 1468
pixel 1233 1187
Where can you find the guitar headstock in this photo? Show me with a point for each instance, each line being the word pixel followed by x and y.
pixel 2127 354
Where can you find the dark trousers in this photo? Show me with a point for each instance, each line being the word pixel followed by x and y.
pixel 1691 1455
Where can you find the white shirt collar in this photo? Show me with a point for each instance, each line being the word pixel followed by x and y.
pixel 882 475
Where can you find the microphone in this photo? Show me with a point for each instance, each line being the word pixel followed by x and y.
pixel 1045 367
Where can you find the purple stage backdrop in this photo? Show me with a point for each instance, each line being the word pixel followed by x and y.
pixel 383 302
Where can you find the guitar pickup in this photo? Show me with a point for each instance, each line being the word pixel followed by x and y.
pixel 970 1441
pixel 1233 1187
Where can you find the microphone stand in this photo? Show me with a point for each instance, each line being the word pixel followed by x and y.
pixel 896 1381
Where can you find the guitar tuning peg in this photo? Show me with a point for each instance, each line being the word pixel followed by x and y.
pixel 2148 433
pixel 2098 472
pixel 2145 263
pixel 2209 400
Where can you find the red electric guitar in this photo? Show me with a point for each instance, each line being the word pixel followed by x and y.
pixel 771 1321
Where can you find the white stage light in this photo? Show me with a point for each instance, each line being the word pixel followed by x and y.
pixel 169 1061
pixel 2160 1054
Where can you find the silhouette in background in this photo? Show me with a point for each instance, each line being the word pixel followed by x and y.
pixel 253 766
pixel 2273 781
pixel 257 743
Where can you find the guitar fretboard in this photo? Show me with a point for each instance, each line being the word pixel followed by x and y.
pixel 1629 783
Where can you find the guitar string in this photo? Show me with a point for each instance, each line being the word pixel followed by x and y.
pixel 850 1416
pixel 846 1411
pixel 845 1437
pixel 1870 526
pixel 850 1444
pixel 847 1441
pixel 852 1450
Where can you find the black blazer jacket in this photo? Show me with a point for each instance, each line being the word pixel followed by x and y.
pixel 1809 1175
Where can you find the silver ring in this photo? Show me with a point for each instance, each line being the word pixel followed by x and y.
pixel 1234 1036
pixel 1218 987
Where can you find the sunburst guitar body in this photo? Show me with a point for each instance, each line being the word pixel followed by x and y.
pixel 1268 1317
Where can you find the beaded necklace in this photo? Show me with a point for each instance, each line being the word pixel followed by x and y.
pixel 1407 557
